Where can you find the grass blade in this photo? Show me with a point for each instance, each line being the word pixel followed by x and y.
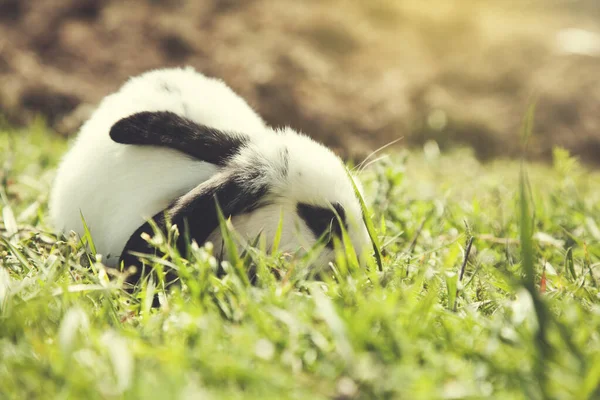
pixel 278 233
pixel 87 238
pixel 368 223
pixel 569 264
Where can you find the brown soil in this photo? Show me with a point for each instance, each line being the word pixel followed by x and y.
pixel 354 74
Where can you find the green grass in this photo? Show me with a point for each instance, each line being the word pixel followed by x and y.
pixel 523 323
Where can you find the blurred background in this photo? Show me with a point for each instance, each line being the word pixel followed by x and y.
pixel 352 74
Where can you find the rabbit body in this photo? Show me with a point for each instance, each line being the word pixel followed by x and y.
pixel 171 144
pixel 115 187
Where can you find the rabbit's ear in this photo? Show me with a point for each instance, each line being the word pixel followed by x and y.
pixel 167 129
pixel 196 214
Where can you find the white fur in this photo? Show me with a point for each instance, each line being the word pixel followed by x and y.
pixel 315 176
pixel 117 187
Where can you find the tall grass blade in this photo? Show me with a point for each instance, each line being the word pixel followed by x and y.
pixel 526 222
pixel 278 233
pixel 87 237
pixel 368 223
pixel 569 264
pixel 230 246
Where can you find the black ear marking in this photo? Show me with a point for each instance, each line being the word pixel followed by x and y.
pixel 167 129
pixel 321 220
pixel 195 213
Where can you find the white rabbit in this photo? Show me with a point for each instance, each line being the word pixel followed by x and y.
pixel 170 143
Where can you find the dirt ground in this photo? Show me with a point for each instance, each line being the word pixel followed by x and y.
pixel 355 74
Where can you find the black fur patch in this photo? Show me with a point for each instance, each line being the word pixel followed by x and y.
pixel 323 221
pixel 167 129
pixel 196 216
